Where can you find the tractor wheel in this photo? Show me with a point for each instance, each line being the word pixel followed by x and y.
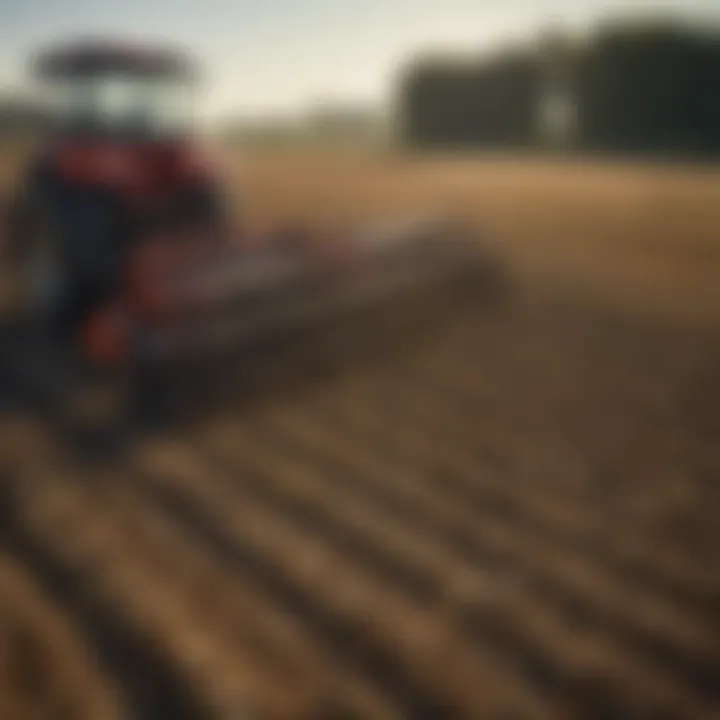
pixel 98 413
pixel 87 405
pixel 35 280
pixel 109 410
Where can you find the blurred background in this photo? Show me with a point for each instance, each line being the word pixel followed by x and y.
pixel 515 517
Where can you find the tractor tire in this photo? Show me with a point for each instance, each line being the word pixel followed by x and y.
pixel 89 407
pixel 34 278
pixel 96 419
pixel 111 410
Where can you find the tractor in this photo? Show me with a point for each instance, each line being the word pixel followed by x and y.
pixel 122 261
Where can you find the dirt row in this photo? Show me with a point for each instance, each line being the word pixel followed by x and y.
pixel 513 519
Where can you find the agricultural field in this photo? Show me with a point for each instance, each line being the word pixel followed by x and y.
pixel 514 517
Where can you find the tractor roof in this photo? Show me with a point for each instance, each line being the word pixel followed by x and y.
pixel 96 57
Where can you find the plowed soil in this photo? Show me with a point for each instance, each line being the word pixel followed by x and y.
pixel 514 518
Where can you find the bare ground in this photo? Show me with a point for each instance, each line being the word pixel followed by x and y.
pixel 516 519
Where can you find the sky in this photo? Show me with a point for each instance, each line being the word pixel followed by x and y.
pixel 265 57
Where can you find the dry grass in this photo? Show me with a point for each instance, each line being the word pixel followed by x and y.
pixel 644 234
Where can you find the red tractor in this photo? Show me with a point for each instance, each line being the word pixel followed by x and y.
pixel 120 261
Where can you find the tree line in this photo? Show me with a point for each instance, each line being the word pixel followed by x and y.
pixel 651 89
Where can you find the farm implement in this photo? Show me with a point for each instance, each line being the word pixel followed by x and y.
pixel 124 276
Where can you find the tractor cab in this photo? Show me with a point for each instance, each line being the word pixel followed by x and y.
pixel 122 124
pixel 111 91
